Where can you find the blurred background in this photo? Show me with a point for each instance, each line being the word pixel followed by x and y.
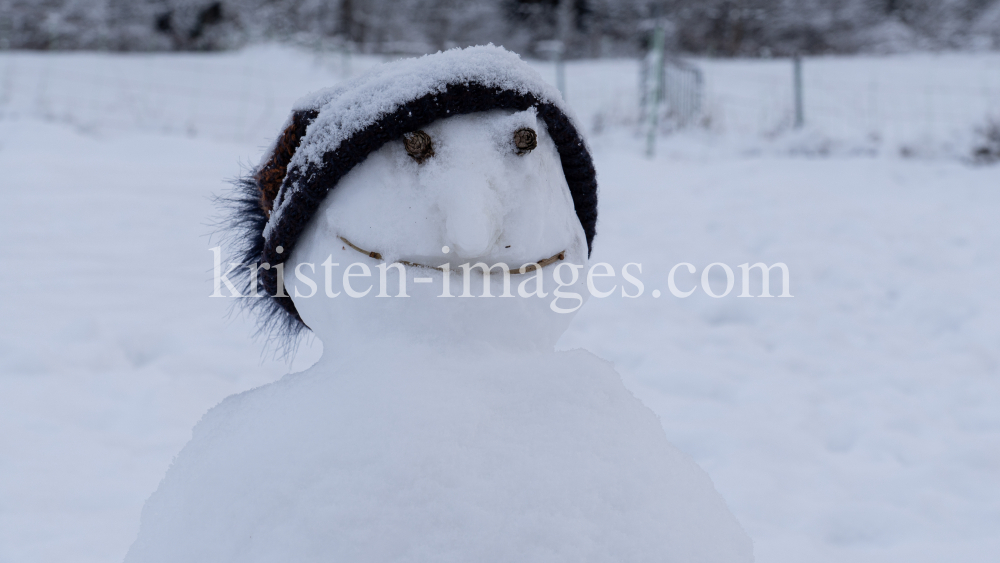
pixel 590 28
pixel 857 141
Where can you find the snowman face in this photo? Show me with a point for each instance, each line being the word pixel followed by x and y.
pixel 481 193
pixel 475 194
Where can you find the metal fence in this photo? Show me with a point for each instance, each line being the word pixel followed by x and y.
pixel 675 91
pixel 917 104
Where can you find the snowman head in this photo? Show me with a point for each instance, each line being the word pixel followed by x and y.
pixel 426 174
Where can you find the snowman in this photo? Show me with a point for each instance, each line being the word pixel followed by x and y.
pixel 429 223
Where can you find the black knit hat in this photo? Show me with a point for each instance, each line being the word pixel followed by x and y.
pixel 332 131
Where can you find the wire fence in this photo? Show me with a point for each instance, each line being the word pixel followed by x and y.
pixel 675 90
pixel 925 102
pixel 230 97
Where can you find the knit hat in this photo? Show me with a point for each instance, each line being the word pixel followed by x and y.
pixel 331 131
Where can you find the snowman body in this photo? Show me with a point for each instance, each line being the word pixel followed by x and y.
pixel 436 427
pixel 421 454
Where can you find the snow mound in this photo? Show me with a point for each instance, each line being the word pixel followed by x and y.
pixel 397 453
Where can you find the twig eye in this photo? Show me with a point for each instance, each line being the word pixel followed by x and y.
pixel 525 140
pixel 418 145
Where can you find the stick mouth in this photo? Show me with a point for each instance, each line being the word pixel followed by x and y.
pixel 523 269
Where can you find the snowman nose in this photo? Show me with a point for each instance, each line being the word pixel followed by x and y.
pixel 471 236
pixel 473 218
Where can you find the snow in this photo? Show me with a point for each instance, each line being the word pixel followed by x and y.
pixel 857 421
pixel 385 451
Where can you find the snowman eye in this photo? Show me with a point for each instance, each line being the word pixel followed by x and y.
pixel 418 145
pixel 525 140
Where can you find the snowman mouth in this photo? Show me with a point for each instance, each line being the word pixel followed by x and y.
pixel 524 269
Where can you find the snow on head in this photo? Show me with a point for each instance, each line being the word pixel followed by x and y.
pixel 362 101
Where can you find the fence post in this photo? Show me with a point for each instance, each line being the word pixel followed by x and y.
pixel 565 27
pixel 561 74
pixel 553 49
pixel 797 79
pixel 345 59
pixel 699 85
pixel 659 45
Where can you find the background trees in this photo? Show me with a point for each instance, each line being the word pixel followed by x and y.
pixel 596 27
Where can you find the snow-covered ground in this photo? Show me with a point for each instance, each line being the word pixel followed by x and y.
pixel 857 421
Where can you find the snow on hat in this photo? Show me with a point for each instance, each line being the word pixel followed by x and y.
pixel 331 131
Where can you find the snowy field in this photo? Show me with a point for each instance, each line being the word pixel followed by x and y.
pixel 858 421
